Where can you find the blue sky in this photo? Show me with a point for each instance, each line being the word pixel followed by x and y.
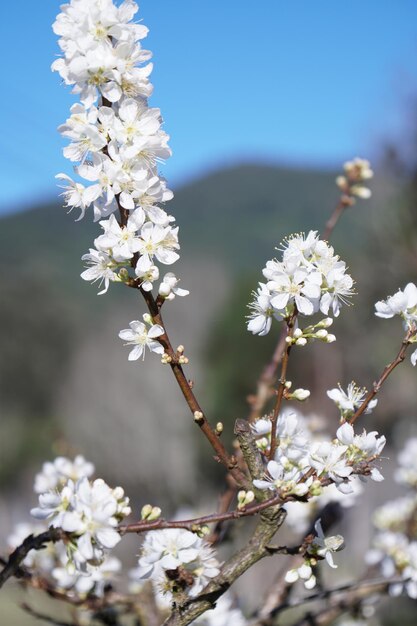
pixel 297 82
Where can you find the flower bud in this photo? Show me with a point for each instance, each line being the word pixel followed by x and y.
pixel 316 488
pixel 330 338
pixel 328 321
pixel 164 290
pixel 341 182
pixel 300 394
pixel 147 318
pixel 219 428
pixel 155 514
pixel 297 333
pixel 321 334
pixel 146 511
pixel 301 341
pixel 244 498
pixel 361 192
pixel 123 274
pixel 198 416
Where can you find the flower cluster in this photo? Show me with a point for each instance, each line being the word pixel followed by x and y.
pixel 404 304
pixel 53 565
pixel 89 511
pixel 116 142
pixel 320 548
pixel 395 544
pixel 181 553
pixel 349 401
pixel 309 278
pixel 298 451
pixel 356 173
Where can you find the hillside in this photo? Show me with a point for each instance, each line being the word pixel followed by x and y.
pixel 58 338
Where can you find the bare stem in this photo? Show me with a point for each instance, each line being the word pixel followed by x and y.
pixel 344 202
pixel 387 371
pixel 281 387
pixel 38 542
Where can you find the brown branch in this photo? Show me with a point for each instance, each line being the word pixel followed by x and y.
pixel 344 202
pixel 277 597
pixel 387 371
pixel 266 379
pixel 38 542
pixel 154 308
pixel 281 387
pixel 362 468
pixel 351 597
pixel 43 617
pixel 256 549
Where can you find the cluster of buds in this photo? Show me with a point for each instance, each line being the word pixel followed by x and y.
pixel 302 336
pixel 244 498
pixel 351 184
pixel 150 513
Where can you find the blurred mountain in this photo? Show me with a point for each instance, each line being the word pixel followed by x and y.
pixel 64 375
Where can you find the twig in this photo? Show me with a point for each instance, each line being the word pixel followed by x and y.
pixel 344 202
pixel 281 387
pixel 277 596
pixel 387 371
pixel 351 596
pixel 43 617
pixel 12 567
pixel 254 551
pixel 266 379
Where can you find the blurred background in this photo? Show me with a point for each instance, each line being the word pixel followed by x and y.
pixel 264 103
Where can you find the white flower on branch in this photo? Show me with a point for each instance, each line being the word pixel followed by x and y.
pixel 404 304
pixel 140 336
pixel 55 475
pixel 349 401
pixel 101 268
pixel 172 549
pixel 120 242
pixel 325 547
pixel 260 319
pixel 168 288
pixel 90 512
pixel 284 480
pixel 304 573
pixel 93 578
pixel 360 447
pixel 308 279
pixel 330 459
pixel 147 272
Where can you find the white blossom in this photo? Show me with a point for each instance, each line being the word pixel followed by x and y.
pixel 89 511
pixel 172 548
pixel 309 278
pixel 329 458
pixel 101 268
pixel 402 303
pixel 140 336
pixel 284 480
pixel 349 401
pixel 326 546
pixel 55 475
pixel 168 288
